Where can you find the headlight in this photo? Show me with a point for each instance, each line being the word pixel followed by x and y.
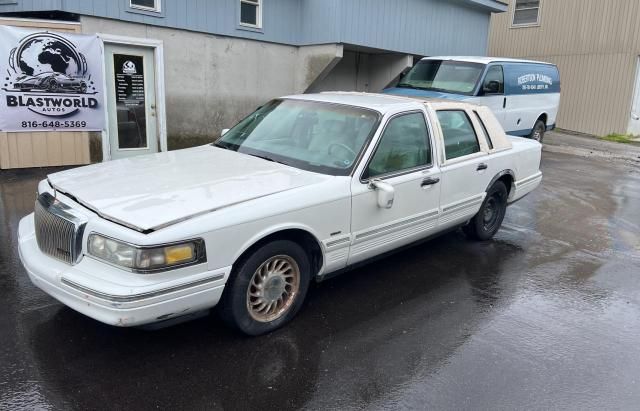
pixel 145 259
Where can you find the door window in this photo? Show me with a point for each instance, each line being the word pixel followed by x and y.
pixel 493 81
pixel 130 101
pixel 459 136
pixel 403 146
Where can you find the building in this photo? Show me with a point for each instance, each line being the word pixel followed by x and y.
pixel 595 43
pixel 208 63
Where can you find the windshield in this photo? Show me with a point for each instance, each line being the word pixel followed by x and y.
pixel 447 76
pixel 314 136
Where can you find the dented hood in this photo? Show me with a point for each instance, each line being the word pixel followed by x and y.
pixel 153 191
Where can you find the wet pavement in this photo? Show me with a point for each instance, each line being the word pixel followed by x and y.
pixel 547 315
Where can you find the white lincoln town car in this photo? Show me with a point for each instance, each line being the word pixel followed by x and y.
pixel 305 187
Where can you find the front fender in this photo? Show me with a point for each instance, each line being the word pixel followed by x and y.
pixel 261 235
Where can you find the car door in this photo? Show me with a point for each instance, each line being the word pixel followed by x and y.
pixel 467 169
pixel 402 158
pixel 492 92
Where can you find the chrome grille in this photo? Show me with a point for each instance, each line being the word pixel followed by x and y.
pixel 59 229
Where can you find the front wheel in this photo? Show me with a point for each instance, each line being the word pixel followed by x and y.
pixel 484 225
pixel 267 288
pixel 538 131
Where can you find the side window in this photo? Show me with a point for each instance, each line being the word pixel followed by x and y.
pixel 404 145
pixel 251 13
pixel 493 81
pixel 526 13
pixel 484 128
pixel 459 136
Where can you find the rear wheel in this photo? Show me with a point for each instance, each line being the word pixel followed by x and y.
pixel 267 288
pixel 484 225
pixel 52 86
pixel 538 131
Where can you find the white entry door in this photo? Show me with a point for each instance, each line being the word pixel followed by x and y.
pixel 131 100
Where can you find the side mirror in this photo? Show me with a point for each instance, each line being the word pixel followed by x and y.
pixel 385 191
pixel 224 131
pixel 491 87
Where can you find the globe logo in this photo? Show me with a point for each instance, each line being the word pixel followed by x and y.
pixel 48 52
pixel 48 62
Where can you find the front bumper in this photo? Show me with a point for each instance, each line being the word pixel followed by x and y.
pixel 114 296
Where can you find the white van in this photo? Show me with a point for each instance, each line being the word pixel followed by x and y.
pixel 524 95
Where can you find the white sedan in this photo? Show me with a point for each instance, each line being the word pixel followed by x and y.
pixel 305 187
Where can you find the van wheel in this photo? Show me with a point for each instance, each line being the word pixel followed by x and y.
pixel 267 288
pixel 538 131
pixel 484 225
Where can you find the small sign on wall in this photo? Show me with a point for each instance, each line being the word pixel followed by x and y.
pixel 50 81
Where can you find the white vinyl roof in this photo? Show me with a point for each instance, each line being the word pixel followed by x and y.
pixel 382 103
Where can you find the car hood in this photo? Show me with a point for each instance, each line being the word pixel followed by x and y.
pixel 153 191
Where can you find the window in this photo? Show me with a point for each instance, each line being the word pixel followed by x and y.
pixel 459 137
pixel 484 128
pixel 403 146
pixel 251 13
pixel 448 76
pixel 149 5
pixel 314 136
pixel 526 13
pixel 493 81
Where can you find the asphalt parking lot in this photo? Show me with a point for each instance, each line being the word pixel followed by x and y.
pixel 547 315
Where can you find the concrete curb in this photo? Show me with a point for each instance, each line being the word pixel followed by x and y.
pixel 631 158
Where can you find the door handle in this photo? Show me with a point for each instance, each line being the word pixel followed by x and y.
pixel 504 103
pixel 429 181
pixel 482 166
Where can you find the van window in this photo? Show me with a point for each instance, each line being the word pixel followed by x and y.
pixel 448 76
pixel 493 81
pixel 459 136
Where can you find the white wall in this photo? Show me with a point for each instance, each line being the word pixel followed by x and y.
pixel 359 71
pixel 212 82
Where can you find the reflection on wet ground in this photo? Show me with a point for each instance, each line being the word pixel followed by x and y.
pixel 547 316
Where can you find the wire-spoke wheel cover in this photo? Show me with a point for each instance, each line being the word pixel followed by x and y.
pixel 273 288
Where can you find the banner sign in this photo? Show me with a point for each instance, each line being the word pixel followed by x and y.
pixel 50 81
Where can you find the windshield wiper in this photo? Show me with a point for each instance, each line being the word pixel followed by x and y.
pixel 223 145
pixel 266 158
pixel 407 85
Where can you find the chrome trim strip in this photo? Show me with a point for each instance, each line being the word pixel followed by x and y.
pixel 141 296
pixel 399 224
pixel 462 204
pixel 337 242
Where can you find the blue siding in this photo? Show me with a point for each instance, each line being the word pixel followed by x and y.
pixel 423 27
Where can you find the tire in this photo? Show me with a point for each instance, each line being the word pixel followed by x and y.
pixel 254 310
pixel 537 133
pixel 486 223
pixel 52 86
